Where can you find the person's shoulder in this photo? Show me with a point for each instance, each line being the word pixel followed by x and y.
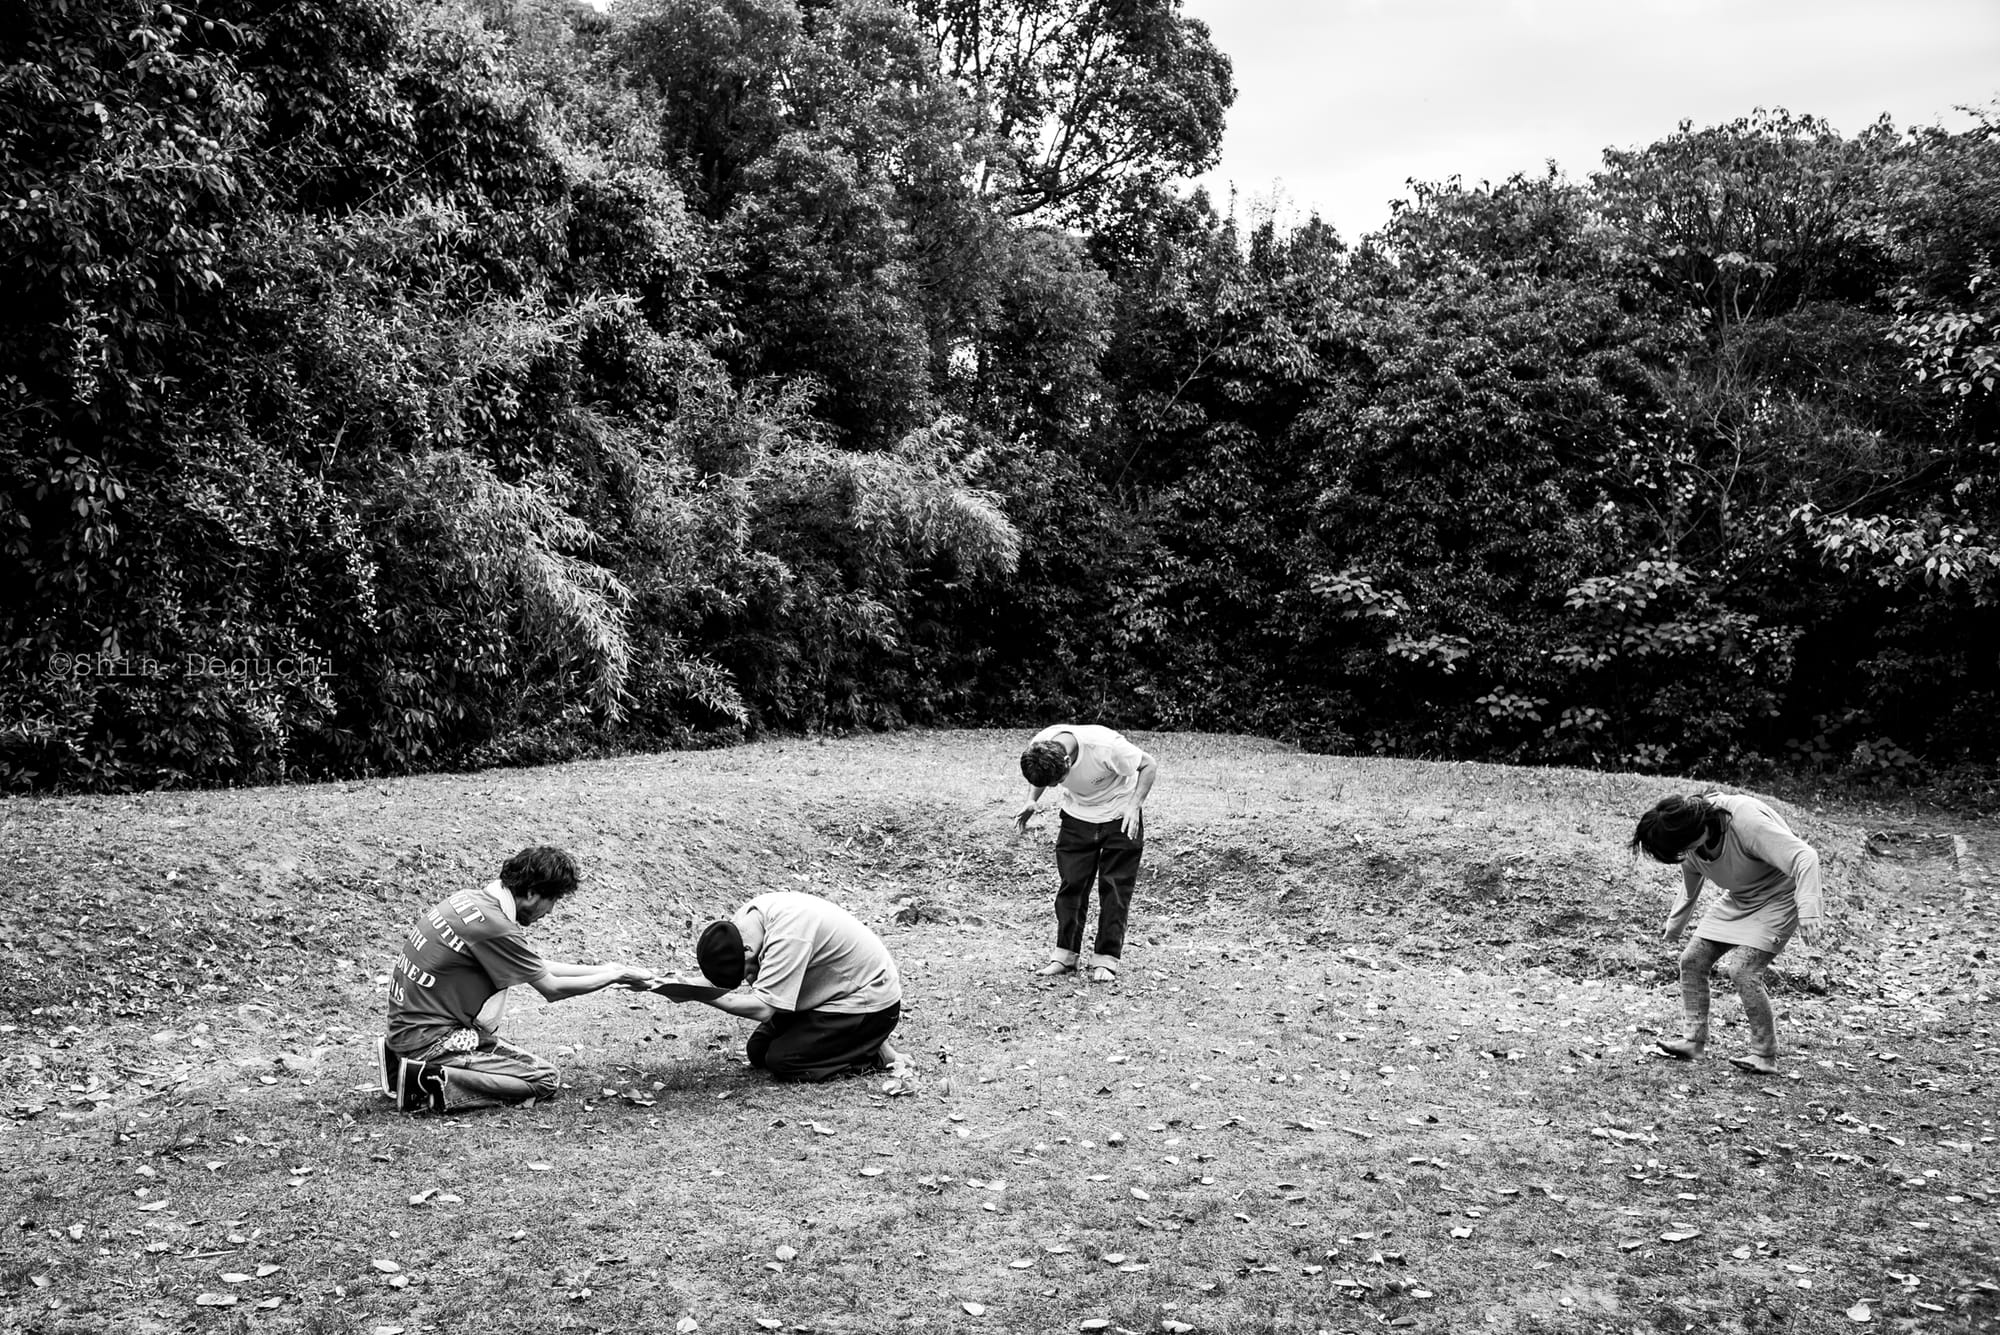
pixel 1748 804
pixel 1055 732
pixel 482 900
pixel 1097 734
pixel 769 902
pixel 1753 812
pixel 481 917
pixel 789 904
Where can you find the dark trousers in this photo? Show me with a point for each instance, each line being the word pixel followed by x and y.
pixel 819 1045
pixel 1097 852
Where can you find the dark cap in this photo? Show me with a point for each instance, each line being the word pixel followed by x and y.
pixel 719 952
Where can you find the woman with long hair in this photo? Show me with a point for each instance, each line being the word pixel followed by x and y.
pixel 1770 882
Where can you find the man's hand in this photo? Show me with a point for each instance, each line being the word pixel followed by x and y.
pixel 1671 933
pixel 1021 821
pixel 1134 822
pixel 1813 930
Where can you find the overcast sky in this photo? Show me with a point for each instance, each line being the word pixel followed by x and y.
pixel 1339 102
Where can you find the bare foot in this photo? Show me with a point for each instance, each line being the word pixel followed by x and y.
pixel 1682 1049
pixel 1102 975
pixel 1755 1064
pixel 1054 969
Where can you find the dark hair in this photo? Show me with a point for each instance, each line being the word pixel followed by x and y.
pixel 719 952
pixel 1044 763
pixel 543 870
pixel 1676 824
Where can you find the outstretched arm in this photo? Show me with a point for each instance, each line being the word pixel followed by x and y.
pixel 744 1004
pixel 560 981
pixel 1021 821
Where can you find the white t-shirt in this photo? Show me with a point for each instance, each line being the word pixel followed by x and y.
pixel 814 955
pixel 1104 775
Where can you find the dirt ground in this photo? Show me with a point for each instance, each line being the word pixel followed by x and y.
pixel 269 914
pixel 1342 971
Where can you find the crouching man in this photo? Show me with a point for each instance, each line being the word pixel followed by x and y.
pixel 821 986
pixel 444 1051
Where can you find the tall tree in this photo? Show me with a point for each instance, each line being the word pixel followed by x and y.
pixel 1083 104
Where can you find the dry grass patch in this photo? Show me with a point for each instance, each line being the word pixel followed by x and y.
pixel 1381 1060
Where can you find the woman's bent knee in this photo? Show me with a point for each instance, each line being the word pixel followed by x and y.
pixel 1745 976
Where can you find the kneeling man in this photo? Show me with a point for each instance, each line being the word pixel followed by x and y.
pixel 444 1051
pixel 821 986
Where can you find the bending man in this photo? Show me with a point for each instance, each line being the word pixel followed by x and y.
pixel 822 987
pixel 1770 880
pixel 1104 781
pixel 444 1051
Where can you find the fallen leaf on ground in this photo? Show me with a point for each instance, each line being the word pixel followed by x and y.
pixel 215 1300
pixel 973 1309
pixel 1860 1312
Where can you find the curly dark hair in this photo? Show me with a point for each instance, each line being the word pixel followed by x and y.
pixel 1044 763
pixel 543 870
pixel 1676 824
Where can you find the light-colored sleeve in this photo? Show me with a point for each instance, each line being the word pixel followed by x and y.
pixel 781 970
pixel 1120 754
pixel 1683 909
pixel 1772 843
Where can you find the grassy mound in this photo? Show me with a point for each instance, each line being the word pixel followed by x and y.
pixel 1381 1056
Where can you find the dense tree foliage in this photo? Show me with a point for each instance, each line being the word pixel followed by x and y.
pixel 399 384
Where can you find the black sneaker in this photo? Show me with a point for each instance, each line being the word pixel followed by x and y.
pixel 388 1067
pixel 420 1086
